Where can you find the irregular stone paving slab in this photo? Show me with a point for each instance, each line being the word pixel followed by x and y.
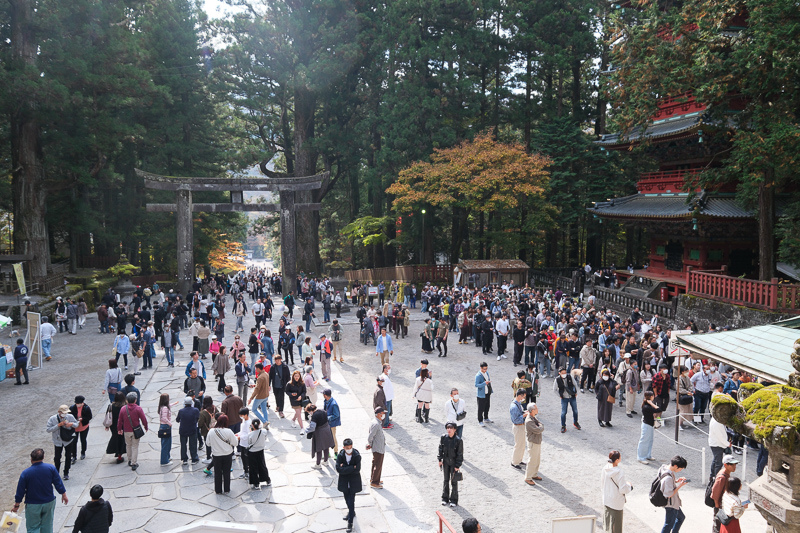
pixel 362 500
pixel 257 496
pixel 312 479
pixel 105 471
pixel 399 493
pixel 131 520
pixel 314 506
pixel 292 495
pixel 278 478
pixel 182 506
pixel 153 466
pixel 292 524
pixel 117 482
pixel 157 478
pixel 164 492
pixel 329 492
pixel 370 520
pixel 260 512
pixel 190 476
pixel 166 520
pixel 196 492
pixel 404 520
pixel 300 468
pixel 330 520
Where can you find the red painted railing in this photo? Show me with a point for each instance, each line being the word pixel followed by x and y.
pixel 667 181
pixel 443 523
pixel 677 105
pixel 767 295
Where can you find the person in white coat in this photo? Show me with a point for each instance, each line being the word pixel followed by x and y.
pixel 614 487
pixel 455 410
pixel 388 390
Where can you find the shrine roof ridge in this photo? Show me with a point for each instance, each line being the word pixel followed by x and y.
pixel 172 183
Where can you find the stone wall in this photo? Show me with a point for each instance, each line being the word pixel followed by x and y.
pixel 705 312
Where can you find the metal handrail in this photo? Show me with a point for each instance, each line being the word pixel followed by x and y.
pixel 443 522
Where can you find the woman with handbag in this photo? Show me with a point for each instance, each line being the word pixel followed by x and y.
pixel 116 444
pixel 296 390
pixel 605 392
pixel 732 507
pixel 165 428
pixel 319 431
pixel 256 442
pixel 423 392
pixel 685 397
pixel 222 442
pixel 113 381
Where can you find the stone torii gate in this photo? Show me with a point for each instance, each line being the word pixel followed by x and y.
pixel 184 207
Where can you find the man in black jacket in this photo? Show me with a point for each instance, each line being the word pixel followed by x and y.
pixel 348 465
pixel 278 378
pixel 451 456
pixel 96 516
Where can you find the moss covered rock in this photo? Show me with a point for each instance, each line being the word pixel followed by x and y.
pixel 726 410
pixel 775 413
pixel 747 389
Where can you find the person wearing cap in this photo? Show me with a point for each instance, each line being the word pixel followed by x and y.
pixel 188 418
pixel 83 414
pixel 334 415
pixel 335 332
pixel 35 486
pixel 325 348
pixel 729 463
pixel 376 441
pixel 64 440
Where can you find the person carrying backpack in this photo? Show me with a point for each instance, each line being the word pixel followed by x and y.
pixel 664 493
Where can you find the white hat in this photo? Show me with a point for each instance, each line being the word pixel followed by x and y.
pixel 626 356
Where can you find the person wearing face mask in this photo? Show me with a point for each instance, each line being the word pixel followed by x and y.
pixel 533 433
pixel 632 388
pixel 702 394
pixel 376 441
pixel 451 456
pixel 348 465
pixel 606 392
pixel 714 376
pixel 455 411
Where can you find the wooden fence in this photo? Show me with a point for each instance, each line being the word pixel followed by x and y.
pixel 766 295
pixel 627 302
pixel 419 273
pixel 547 280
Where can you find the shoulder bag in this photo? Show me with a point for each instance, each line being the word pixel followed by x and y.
pixel 459 416
pixel 138 431
pixel 66 434
pixel 108 419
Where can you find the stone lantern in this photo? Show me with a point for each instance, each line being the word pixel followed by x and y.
pixel 771 415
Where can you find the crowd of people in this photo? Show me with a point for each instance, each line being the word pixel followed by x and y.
pixel 623 361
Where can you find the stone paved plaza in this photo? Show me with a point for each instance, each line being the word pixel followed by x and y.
pixel 156 498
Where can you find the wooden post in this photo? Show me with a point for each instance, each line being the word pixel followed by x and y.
pixel 185 226
pixel 288 242
pixel 688 278
pixel 773 294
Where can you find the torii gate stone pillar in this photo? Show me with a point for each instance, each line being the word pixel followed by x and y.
pixel 184 207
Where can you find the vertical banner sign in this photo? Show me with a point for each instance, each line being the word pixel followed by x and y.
pixel 33 340
pixel 20 278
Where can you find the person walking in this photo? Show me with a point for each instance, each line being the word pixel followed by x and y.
pixel 334 416
pixel 278 379
pixel 206 421
pixel 260 396
pixel 670 484
pixel 222 441
pixel 21 362
pixel 83 414
pixel 220 366
pixel 348 466
pixel 613 487
pixel 720 486
pixel 62 428
pixel 131 420
pixel 321 435
pixel 256 442
pixel 423 392
pixel 335 332
pixel 296 390
pixel 451 457
pixel 188 418
pixel 606 393
pixel 376 441
pixel 732 506
pixel 47 331
pixel 243 371
pixel 165 428
pixel 533 432
pixel 388 390
pixel 567 388
pixel 230 408
pixel 35 487
pixel 116 443
pixel 455 411
pixel 702 393
pixel 649 411
pixel 384 347
pixel 122 345
pixel 484 386
pixel 518 416
pixel 96 516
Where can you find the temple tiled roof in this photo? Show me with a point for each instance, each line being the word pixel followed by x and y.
pixel 675 205
pixel 660 128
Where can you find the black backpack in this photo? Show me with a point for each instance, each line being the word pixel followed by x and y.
pixel 708 500
pixel 657 497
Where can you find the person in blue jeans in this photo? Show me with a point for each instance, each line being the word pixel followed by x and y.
pixel 670 485
pixel 188 418
pixel 334 416
pixel 165 424
pixel 260 395
pixel 567 388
